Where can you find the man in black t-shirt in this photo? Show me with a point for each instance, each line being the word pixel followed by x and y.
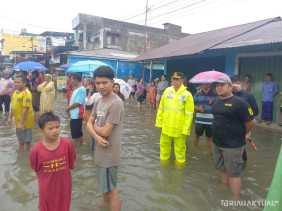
pixel 232 121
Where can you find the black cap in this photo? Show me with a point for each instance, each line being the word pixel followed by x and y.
pixel 235 78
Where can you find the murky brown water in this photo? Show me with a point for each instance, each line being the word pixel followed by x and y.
pixel 143 184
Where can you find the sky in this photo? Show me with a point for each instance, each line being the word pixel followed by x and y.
pixel 193 15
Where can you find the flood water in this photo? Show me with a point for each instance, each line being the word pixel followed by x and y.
pixel 143 183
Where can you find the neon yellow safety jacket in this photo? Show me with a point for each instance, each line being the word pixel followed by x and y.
pixel 175 113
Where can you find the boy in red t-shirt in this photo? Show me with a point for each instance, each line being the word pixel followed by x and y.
pixel 52 159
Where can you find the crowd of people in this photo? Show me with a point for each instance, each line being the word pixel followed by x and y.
pixel 152 92
pixel 224 112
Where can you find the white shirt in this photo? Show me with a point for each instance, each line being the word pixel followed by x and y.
pixel 132 82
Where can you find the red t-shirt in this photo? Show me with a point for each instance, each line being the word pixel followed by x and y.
pixel 54 176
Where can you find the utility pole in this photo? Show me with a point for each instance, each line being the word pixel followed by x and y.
pixel 31 40
pixel 146 12
pixel 146 19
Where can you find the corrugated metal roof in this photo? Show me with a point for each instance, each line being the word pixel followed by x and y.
pixel 105 53
pixel 197 43
pixel 268 34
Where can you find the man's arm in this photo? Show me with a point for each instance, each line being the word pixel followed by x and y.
pixel 90 128
pixel 254 105
pixel 104 131
pixel 188 114
pixel 11 114
pixel 33 159
pixel 113 118
pixel 160 112
pixel 245 113
pixel 27 104
pixel 73 106
pixel 79 100
pixel 276 89
pixel 249 125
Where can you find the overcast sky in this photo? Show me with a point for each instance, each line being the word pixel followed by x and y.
pixel 193 15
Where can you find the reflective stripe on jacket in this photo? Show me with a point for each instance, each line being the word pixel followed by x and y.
pixel 175 113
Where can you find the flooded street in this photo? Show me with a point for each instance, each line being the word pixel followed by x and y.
pixel 143 184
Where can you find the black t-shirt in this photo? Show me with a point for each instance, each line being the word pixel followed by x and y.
pixel 230 116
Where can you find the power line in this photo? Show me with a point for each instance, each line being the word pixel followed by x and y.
pixel 178 9
pixel 30 24
pixel 152 8
pixel 134 16
pixel 138 12
pixel 166 4
pixel 183 7
pixel 191 9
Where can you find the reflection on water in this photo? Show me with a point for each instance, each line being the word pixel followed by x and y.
pixel 143 183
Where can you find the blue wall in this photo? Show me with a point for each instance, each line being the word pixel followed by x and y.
pixel 218 59
pixel 230 63
pixel 232 53
pixel 191 66
pixel 124 70
pixel 155 74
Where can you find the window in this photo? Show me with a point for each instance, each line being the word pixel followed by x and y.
pixel 109 40
pixel 112 39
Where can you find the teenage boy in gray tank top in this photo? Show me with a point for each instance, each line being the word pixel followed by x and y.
pixel 105 125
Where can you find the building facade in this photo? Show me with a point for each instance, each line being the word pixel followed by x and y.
pixel 92 32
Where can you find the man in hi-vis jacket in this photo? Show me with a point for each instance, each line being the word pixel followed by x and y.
pixel 174 117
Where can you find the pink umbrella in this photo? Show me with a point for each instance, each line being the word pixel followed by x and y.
pixel 208 77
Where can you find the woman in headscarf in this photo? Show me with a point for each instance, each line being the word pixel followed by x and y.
pixel 35 79
pixel 47 97
pixel 117 91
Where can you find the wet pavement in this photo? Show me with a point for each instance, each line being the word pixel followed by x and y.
pixel 143 183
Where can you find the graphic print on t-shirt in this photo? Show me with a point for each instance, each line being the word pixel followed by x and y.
pixel 55 165
pixel 101 115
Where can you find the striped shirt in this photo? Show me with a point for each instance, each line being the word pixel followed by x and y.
pixel 204 100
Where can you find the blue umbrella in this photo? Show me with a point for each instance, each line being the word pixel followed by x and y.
pixel 85 67
pixel 29 66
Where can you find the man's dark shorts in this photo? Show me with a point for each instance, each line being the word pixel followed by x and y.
pixel 229 160
pixel 76 128
pixel 200 129
pixel 132 94
pixel 107 178
pixel 24 135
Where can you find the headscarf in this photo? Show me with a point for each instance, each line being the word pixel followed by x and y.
pixel 49 76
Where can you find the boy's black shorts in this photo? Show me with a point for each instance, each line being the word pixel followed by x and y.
pixel 201 128
pixel 76 128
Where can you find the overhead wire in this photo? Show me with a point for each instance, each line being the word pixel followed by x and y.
pixel 30 24
pixel 177 9
pixel 152 8
pixel 195 8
